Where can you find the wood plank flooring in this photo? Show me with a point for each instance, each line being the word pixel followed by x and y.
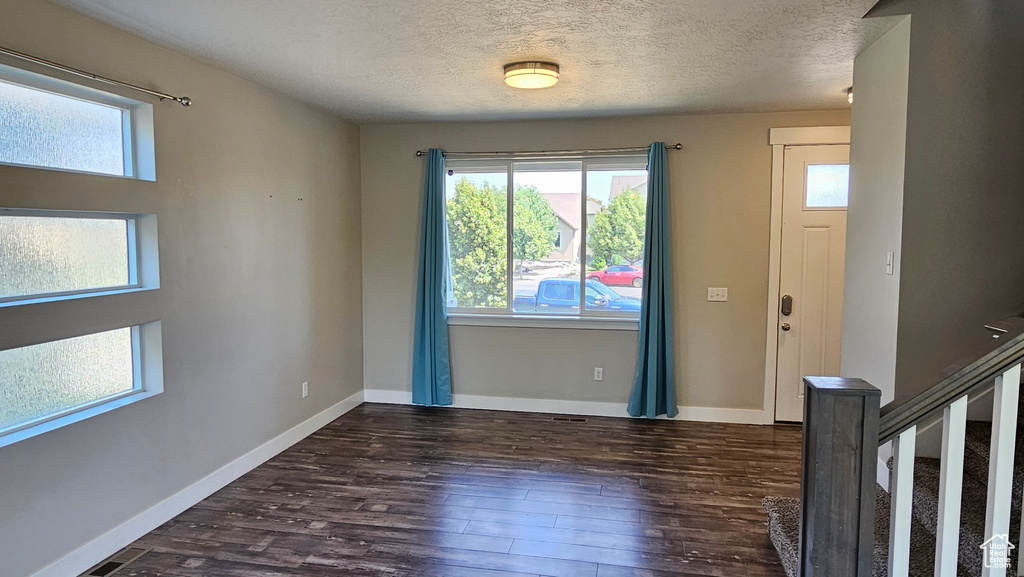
pixel 391 490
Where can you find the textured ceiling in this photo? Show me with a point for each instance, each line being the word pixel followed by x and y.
pixel 378 61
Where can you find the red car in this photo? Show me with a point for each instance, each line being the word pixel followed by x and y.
pixel 619 274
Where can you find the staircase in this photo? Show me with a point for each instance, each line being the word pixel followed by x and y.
pixel 784 512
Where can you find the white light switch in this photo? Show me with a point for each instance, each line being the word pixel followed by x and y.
pixel 718 294
pixel 890 257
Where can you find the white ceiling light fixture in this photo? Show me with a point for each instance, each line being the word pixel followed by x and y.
pixel 531 74
pixel 849 95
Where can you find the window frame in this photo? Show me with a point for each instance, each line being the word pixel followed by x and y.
pixel 147 381
pixel 136 121
pixel 506 316
pixel 143 255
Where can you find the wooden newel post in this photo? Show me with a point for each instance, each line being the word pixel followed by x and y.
pixel 840 459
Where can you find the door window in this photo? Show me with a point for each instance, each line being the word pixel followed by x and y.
pixel 827 186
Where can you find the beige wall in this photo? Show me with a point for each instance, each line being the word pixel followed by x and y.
pixel 720 200
pixel 875 217
pixel 961 265
pixel 261 290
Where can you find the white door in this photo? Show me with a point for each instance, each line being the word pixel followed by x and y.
pixel 814 199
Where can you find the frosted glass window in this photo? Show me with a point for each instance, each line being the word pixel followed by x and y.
pixel 828 186
pixel 39 128
pixel 43 380
pixel 48 255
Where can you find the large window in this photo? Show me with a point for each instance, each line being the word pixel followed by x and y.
pixel 49 123
pixel 567 224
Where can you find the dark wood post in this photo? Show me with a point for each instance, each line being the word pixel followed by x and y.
pixel 840 460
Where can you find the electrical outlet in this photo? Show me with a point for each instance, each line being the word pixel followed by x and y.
pixel 598 374
pixel 718 294
pixel 305 390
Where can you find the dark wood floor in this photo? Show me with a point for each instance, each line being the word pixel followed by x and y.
pixel 397 490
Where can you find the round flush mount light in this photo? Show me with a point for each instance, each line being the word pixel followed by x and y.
pixel 531 74
pixel 849 95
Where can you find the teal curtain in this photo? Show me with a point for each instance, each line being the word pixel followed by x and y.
pixel 654 388
pixel 431 370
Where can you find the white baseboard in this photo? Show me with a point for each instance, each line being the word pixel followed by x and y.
pixel 81 559
pixel 590 408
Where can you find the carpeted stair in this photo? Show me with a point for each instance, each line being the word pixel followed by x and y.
pixel 783 512
pixel 784 527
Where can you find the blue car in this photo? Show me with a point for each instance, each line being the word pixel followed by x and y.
pixel 561 295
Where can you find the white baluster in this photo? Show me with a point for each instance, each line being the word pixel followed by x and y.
pixel 1000 466
pixel 947 532
pixel 901 491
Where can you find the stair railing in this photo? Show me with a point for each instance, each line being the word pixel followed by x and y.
pixel 843 429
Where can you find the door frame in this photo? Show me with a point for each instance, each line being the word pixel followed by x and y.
pixel 779 139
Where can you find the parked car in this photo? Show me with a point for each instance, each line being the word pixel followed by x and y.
pixel 619 274
pixel 562 295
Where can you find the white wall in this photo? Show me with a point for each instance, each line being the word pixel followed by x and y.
pixel 720 187
pixel 258 205
pixel 875 216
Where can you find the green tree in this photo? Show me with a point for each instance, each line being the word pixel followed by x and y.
pixel 535 225
pixel 476 233
pixel 618 232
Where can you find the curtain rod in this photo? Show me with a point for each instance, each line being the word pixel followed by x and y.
pixel 184 100
pixel 676 146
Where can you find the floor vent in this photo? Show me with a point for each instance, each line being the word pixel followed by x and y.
pixel 569 419
pixel 116 562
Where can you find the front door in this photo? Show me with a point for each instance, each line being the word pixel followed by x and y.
pixel 814 199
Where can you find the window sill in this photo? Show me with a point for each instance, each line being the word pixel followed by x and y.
pixel 75 415
pixel 544 322
pixel 29 300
